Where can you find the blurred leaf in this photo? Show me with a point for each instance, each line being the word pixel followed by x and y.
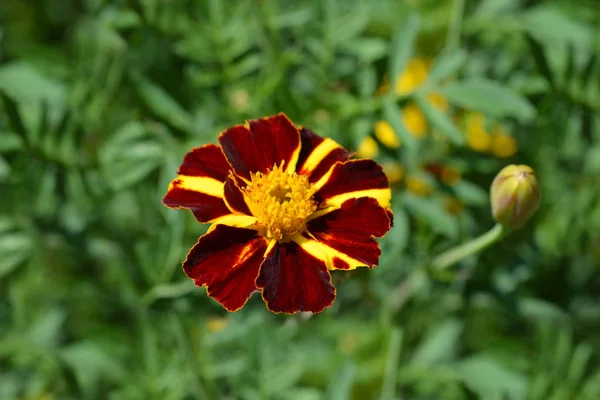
pixel 129 155
pixel 439 345
pixel 366 49
pixel 554 27
pixel 341 383
pixel 25 84
pixel 402 46
pixel 439 120
pixel 490 98
pixel 161 103
pixel 447 64
pixel 433 215
pixel 488 379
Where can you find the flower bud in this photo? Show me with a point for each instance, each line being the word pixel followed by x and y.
pixel 515 195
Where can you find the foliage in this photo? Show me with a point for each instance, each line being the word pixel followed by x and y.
pixel 101 99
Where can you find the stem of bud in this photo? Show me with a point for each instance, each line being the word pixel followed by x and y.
pixel 473 246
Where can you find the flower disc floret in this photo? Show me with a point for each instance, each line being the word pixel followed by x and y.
pixel 280 200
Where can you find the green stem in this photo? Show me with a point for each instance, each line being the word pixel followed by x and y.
pixel 455 25
pixel 474 246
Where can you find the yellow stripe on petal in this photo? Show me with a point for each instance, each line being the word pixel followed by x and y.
pixel 238 221
pixel 209 186
pixel 330 256
pixel 383 197
pixel 318 154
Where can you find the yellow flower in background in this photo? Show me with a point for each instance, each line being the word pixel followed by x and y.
pixel 418 186
pixel 414 120
pixel 216 324
pixel 499 143
pixel 386 135
pixel 368 148
pixel 475 120
pixel 478 139
pixel 394 171
pixel 503 145
pixel 414 75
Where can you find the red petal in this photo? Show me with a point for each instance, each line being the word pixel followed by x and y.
pixel 350 230
pixel 235 198
pixel 199 185
pixel 260 145
pixel 356 178
pixel 320 161
pixel 208 161
pixel 293 280
pixel 227 261
pixel 206 208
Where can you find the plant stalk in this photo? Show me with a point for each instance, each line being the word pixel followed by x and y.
pixel 474 246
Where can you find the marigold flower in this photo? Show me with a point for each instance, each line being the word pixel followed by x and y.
pixel 286 206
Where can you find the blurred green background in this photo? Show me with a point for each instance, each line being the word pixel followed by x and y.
pixel 101 99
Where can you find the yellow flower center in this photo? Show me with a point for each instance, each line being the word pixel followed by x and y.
pixel 280 200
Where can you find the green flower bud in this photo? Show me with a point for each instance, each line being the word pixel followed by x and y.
pixel 515 195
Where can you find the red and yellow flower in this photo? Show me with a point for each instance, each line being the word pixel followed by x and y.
pixel 286 206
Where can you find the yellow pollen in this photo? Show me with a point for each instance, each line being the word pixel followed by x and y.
pixel 280 200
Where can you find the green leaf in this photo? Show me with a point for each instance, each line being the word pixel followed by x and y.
pixel 432 214
pixel 26 84
pixel 402 46
pixel 554 27
pixel 341 384
pixel 489 97
pixel 367 50
pixel 440 344
pixel 447 64
pixel 488 379
pixel 161 103
pixel 439 120
pixel 388 387
pixel 130 155
pixel 15 248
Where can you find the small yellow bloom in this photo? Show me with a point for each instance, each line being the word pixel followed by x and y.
pixel 475 120
pixel 478 139
pixel 386 135
pixel 414 120
pixel 418 186
pixel 368 148
pixel 413 76
pixel 216 324
pixel 503 145
pixel 240 100
pixel 451 175
pixel 394 171
pixel 438 101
